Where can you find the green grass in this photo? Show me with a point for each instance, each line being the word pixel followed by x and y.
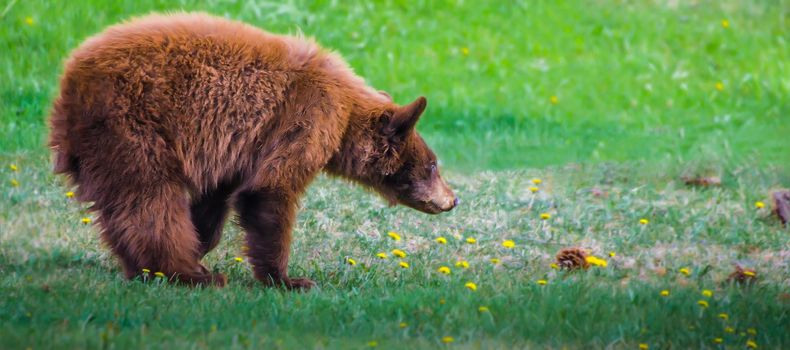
pixel 63 290
pixel 634 79
pixel 637 108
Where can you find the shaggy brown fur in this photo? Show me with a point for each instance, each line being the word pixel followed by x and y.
pixel 166 121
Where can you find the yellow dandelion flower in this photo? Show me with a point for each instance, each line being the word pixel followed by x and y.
pixel 724 316
pixel 85 220
pixel 533 189
pixel 373 344
pixel 351 261
pixel 725 23
pixel 471 286
pixel 444 269
pixel 508 244
pixel 13 167
pixel 399 253
pixel 719 86
pixel 702 303
pixel 612 254
pixel 69 194
pixel 462 264
pixel 394 236
pixel 146 271
pixel 403 325
pixel 545 216
pixel 643 346
pixel 751 344
pixel 729 330
pixel 596 261
pixel 14 183
pixel 442 301
pixel 447 340
pixel 495 261
pixel 751 331
pixel 537 181
pixel 471 240
pixel 29 20
pixel 707 293
pixel 554 99
pixel 483 309
pixel 543 282
pixel 381 255
pixel 465 51
pixel 759 205
pixel 238 259
pixel 644 221
pixel 403 265
pixel 749 273
pixel 664 293
pixel 685 271
pixel 718 340
pixel 159 274
pixel 441 240
pixel 554 266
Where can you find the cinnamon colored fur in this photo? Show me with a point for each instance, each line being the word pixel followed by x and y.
pixel 166 122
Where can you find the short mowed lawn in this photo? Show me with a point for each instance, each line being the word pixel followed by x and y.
pixel 610 104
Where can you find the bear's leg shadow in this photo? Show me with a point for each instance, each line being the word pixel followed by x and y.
pixel 149 227
pixel 209 212
pixel 268 216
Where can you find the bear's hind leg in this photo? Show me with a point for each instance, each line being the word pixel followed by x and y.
pixel 209 212
pixel 151 228
pixel 267 216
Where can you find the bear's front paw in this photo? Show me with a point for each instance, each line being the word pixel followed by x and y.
pixel 299 284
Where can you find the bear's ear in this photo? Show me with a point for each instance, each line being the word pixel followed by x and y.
pixel 405 118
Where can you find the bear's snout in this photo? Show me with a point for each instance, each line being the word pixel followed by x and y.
pixel 443 197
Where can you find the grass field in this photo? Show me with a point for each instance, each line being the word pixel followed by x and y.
pixel 610 103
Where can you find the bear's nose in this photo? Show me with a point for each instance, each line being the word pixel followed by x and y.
pixel 456 202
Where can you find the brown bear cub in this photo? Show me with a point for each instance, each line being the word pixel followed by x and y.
pixel 166 121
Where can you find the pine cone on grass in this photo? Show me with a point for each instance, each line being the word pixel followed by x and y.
pixel 743 276
pixel 572 259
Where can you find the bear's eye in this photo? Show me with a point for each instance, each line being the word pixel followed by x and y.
pixel 433 167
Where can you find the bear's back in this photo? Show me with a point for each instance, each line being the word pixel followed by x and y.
pixel 197 89
pixel 191 31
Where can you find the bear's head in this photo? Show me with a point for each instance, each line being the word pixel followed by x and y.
pixel 383 151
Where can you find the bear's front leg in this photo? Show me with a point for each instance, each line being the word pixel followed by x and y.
pixel 267 216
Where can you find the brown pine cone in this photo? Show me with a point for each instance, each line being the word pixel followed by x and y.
pixel 572 258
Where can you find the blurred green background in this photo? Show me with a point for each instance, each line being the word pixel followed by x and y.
pixel 510 84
